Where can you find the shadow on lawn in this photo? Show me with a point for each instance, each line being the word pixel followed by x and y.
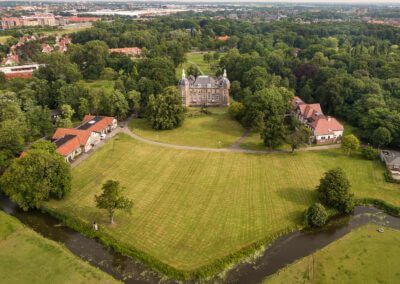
pixel 299 196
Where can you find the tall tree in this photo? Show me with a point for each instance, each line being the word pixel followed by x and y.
pixel 165 111
pixel 381 137
pixel 111 199
pixel 300 136
pixel 39 175
pixel 334 191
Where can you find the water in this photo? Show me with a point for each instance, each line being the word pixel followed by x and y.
pixel 282 252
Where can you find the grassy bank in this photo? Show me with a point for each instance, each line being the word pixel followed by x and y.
pixel 362 256
pixel 193 208
pixel 27 257
pixel 215 130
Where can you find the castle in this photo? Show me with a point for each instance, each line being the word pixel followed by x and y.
pixel 204 90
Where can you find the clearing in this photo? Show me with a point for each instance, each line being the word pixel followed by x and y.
pixel 193 207
pixel 27 257
pixel 362 256
pixel 105 85
pixel 215 130
pixel 196 58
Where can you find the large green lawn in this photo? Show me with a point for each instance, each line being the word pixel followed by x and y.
pixel 196 58
pixel 215 130
pixel 193 207
pixel 362 256
pixel 27 257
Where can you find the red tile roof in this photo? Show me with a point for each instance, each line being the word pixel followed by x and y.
pixel 326 125
pixel 83 19
pixel 297 101
pixel 126 50
pixel 99 123
pixel 223 38
pixel 69 146
pixel 82 135
pixel 310 110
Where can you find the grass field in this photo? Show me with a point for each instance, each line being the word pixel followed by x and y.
pixel 216 130
pixel 193 207
pixel 26 257
pixel 106 85
pixel 196 58
pixel 3 39
pixel 362 256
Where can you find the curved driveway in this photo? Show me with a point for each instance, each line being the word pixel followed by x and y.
pixel 235 148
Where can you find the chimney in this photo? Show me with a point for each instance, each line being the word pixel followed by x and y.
pixel 329 118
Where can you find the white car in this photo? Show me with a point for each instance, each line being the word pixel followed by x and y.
pixel 103 136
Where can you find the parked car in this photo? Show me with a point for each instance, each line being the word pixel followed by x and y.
pixel 103 136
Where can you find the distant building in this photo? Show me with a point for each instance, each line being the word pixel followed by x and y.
pixel 325 129
pixel 22 71
pixel 82 19
pixel 42 19
pixel 131 51
pixel 204 90
pixel 392 161
pixel 222 38
pixel 10 60
pixel 46 48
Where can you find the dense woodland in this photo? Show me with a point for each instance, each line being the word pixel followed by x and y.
pixel 352 69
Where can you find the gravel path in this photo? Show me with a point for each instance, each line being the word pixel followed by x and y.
pixel 235 148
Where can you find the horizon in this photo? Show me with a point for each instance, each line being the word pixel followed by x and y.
pixel 324 2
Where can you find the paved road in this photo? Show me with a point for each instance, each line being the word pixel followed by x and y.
pixel 235 148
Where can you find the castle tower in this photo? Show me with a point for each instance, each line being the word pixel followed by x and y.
pixel 184 89
pixel 226 85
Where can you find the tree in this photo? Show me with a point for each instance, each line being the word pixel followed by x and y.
pixel 316 215
pixel 334 191
pixel 274 132
pixel 133 97
pixel 111 199
pixel 350 143
pixel 193 70
pixel 38 176
pixel 300 136
pixel 39 121
pixel 381 137
pixel 165 111
pixel 369 153
pixel 66 116
pixel 108 74
pixel 236 110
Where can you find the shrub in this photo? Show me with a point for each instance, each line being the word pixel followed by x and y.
pixel 350 143
pixel 316 215
pixel 369 153
pixel 334 191
pixel 236 110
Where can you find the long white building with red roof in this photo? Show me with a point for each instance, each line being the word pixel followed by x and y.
pixel 325 129
pixel 71 142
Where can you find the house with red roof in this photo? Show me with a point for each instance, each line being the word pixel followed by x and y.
pixel 87 139
pixel 10 59
pixel 99 124
pixel 222 38
pixel 69 147
pixel 46 48
pixel 72 142
pixel 325 129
